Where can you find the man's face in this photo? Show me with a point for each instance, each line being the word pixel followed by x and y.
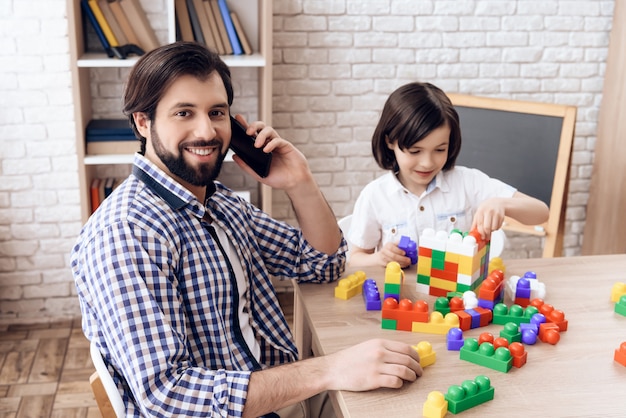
pixel 190 134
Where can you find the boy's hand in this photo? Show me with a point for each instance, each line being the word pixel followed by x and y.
pixel 390 252
pixel 489 217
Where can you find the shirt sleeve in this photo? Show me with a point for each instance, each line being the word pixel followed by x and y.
pixel 365 230
pixel 129 274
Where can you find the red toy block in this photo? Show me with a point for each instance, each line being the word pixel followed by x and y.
pixel 474 318
pixel 405 312
pixel 492 287
pixel 620 354
pixel 549 333
pixel 519 354
pixel 552 315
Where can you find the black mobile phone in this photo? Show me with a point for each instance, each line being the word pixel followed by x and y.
pixel 243 145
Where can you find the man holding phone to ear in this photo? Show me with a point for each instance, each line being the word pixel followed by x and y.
pixel 173 271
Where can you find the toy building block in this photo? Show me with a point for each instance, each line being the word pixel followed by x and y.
pixel 529 333
pixel 426 353
pixel 516 313
pixel 394 276
pixel 404 313
pixel 371 296
pixel 438 324
pixel 617 291
pixel 521 290
pixel 552 315
pixel 445 305
pixel 409 247
pixel 474 318
pixel 469 394
pixel 496 263
pixel 486 355
pixel 454 339
pixel 620 354
pixel 435 406
pixel 470 301
pixel 620 306
pixel 450 262
pixel 549 333
pixel 518 353
pixel 491 291
pixel 350 286
pixel 511 332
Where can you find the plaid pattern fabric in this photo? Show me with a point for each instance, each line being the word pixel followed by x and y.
pixel 156 293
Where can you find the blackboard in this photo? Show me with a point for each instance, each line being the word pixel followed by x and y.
pixel 525 144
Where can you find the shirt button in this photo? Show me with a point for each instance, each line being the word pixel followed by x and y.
pixel 452 219
pixel 421 208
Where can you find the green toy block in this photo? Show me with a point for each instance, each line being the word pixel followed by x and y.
pixel 502 314
pixel 620 306
pixel 469 394
pixel 484 354
pixel 442 305
pixel 511 332
pixel 389 324
pixel 423 279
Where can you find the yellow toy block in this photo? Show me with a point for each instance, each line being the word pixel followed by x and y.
pixel 443 284
pixel 437 324
pixel 435 406
pixel 496 263
pixel 618 290
pixel 350 286
pixel 394 273
pixel 426 352
pixel 452 257
pixel 424 265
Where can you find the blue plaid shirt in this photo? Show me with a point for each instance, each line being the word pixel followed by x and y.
pixel 158 297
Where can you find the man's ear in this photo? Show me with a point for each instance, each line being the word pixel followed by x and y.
pixel 142 122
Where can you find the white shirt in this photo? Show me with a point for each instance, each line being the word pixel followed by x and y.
pixel 386 210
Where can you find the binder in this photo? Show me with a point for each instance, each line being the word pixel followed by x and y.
pixel 245 44
pixel 122 20
pixel 134 13
pixel 110 18
pixel 184 23
pixel 230 28
pixel 218 25
pixel 195 22
pixel 104 25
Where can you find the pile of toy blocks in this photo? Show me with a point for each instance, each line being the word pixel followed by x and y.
pixel 451 262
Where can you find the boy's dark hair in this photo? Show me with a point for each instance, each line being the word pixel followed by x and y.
pixel 155 71
pixel 411 113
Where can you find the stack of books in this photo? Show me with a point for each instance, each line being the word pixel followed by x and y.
pixel 121 26
pixel 100 189
pixel 110 136
pixel 211 23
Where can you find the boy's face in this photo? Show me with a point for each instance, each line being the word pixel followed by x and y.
pixel 420 164
pixel 191 132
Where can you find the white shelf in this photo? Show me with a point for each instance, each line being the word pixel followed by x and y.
pixel 101 60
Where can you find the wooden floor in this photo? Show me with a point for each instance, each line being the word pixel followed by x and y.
pixel 45 369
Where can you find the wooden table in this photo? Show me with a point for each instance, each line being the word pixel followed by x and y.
pixel 575 378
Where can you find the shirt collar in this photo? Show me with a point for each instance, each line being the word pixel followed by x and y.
pixel 439 181
pixel 168 189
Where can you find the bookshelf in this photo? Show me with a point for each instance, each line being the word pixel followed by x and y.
pixel 256 18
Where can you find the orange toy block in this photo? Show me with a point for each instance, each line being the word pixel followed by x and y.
pixel 405 312
pixel 620 354
pixel 350 286
pixel 552 315
pixel 438 324
pixel 549 333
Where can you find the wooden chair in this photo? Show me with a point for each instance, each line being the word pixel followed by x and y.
pixel 104 389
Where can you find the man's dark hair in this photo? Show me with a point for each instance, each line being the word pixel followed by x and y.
pixel 155 71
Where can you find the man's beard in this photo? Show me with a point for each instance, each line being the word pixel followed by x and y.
pixel 204 175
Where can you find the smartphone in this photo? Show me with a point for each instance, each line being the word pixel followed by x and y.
pixel 243 145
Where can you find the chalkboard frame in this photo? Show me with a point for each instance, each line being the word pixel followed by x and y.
pixel 553 229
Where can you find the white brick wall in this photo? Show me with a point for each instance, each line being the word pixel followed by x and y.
pixel 355 53
pixel 335 62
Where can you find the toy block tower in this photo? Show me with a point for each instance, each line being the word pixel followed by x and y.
pixel 394 276
pixel 451 262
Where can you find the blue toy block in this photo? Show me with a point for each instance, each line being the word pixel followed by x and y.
pixel 454 339
pixel 409 247
pixel 371 295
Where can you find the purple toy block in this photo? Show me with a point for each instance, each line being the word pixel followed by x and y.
pixel 454 339
pixel 487 304
pixel 523 288
pixel 371 296
pixel 410 248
